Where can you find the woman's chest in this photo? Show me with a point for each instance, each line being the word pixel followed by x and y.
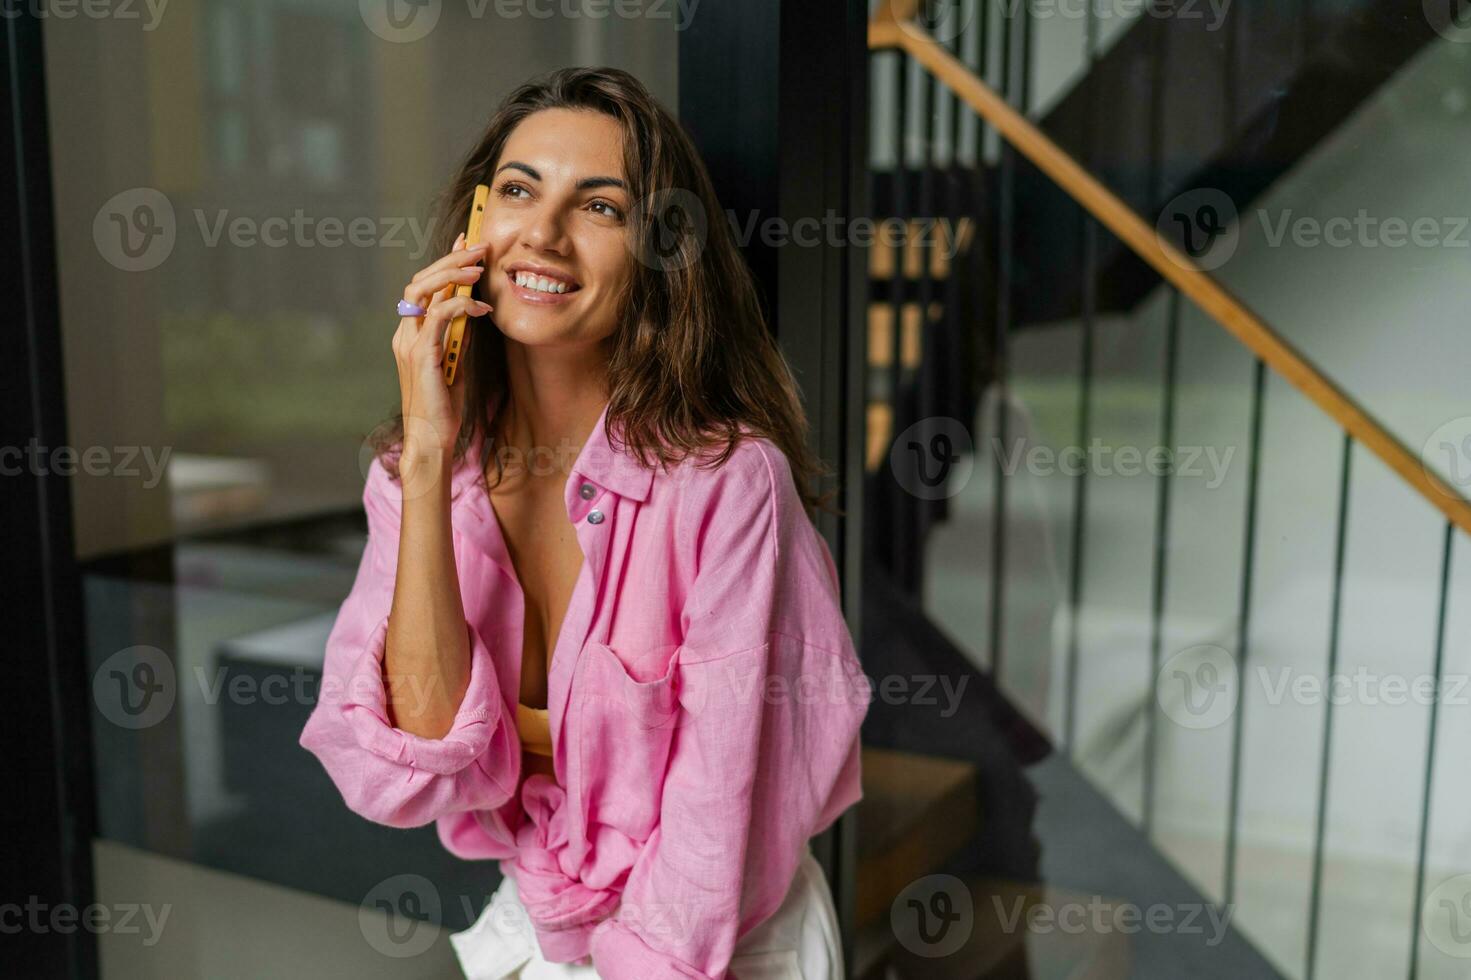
pixel 590 569
pixel 548 559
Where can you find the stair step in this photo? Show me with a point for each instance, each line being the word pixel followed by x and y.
pixel 916 812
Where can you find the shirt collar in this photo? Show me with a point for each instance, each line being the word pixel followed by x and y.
pixel 598 462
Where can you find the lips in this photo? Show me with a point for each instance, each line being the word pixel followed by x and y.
pixel 544 279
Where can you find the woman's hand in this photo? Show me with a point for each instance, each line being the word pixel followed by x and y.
pixel 432 410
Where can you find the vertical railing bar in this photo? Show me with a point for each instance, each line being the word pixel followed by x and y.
pixel 1316 895
pixel 1080 493
pixel 1157 46
pixel 983 65
pixel 897 283
pixel 981 240
pixel 1006 193
pixel 957 113
pixel 1232 72
pixel 1243 626
pixel 922 513
pixel 1427 794
pixel 962 118
pixel 979 178
pixel 1160 573
pixel 1024 97
pixel 950 324
pixel 929 100
pixel 1085 421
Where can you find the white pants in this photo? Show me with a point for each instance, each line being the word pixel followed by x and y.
pixel 798 942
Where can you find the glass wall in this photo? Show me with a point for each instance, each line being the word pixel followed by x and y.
pixel 242 190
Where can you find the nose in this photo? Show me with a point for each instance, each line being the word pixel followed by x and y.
pixel 544 230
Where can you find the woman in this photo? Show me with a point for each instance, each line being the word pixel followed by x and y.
pixel 617 663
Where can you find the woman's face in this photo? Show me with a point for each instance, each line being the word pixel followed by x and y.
pixel 557 210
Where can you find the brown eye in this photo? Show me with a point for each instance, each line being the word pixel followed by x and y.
pixel 613 209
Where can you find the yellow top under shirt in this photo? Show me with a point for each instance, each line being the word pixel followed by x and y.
pixel 534 726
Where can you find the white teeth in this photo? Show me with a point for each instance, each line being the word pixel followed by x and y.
pixel 540 283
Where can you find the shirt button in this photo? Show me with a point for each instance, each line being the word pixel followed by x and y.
pixel 595 517
pixel 587 490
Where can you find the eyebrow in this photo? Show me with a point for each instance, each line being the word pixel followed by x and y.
pixel 586 183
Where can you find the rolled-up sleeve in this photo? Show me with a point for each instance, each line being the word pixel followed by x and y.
pixel 387 775
pixel 766 752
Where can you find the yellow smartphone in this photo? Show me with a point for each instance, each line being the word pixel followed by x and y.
pixel 455 343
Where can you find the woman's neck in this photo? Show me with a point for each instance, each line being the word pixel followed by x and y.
pixel 556 396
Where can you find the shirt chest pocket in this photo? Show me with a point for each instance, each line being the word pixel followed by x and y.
pixel 625 730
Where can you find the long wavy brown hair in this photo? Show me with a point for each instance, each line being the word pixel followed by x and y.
pixel 693 361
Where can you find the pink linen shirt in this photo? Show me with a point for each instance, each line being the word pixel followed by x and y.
pixel 705 700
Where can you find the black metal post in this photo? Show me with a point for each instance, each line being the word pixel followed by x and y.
pixel 48 826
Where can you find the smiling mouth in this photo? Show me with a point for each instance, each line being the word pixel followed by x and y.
pixel 544 285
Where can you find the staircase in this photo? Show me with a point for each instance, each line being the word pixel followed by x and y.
pixel 1059 228
pixel 1179 103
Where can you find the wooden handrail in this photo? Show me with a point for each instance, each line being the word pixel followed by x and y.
pixel 1171 264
